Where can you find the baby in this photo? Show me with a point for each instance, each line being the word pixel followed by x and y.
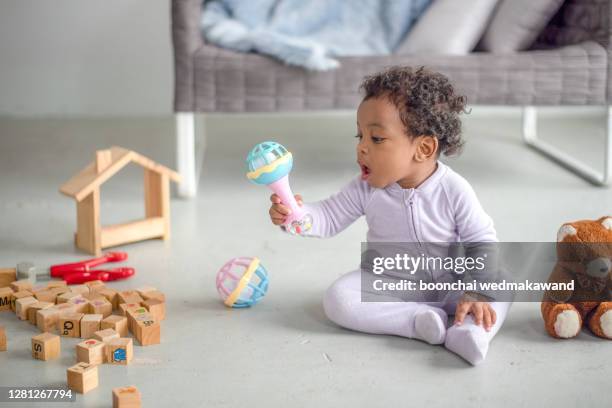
pixel 406 119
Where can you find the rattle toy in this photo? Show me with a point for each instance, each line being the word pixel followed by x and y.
pixel 242 282
pixel 269 163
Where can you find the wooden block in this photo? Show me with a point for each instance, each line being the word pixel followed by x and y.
pixel 82 377
pixel 126 397
pixel 7 276
pixel 19 295
pixel 65 307
pixel 46 319
pixel 81 305
pixel 147 330
pixel 69 324
pixel 124 307
pixel 59 290
pixel 90 351
pixel 80 289
pixel 34 308
pixel 90 323
pixel 155 294
pixel 46 295
pixel 145 289
pixel 119 351
pixel 106 335
pixel 45 346
pixel 3 345
pixel 65 297
pixel 129 296
pixel 110 295
pixel 156 307
pixel 101 306
pixel 117 323
pixel 5 298
pixel 132 313
pixel 20 285
pixel 97 284
pixel 57 284
pixel 22 305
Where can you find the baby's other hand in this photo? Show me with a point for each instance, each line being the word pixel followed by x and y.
pixel 484 314
pixel 279 212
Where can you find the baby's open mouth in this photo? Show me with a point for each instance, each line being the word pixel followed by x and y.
pixel 365 171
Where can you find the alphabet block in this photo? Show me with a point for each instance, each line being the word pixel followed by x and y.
pixel 46 295
pixel 95 284
pixel 65 297
pixel 119 351
pixel 7 276
pixel 57 284
pixel 132 313
pixel 59 290
pixel 106 335
pixel 124 307
pixel 5 299
pixel 90 351
pixel 101 306
pixel 129 296
pixel 155 294
pixel 126 397
pixel 46 319
pixel 110 295
pixel 45 346
pixel 34 308
pixel 82 377
pixel 80 289
pixel 117 323
pixel 90 323
pixel 70 324
pixel 147 330
pixel 81 305
pixel 156 307
pixel 2 339
pixel 19 295
pixel 145 289
pixel 20 285
pixel 22 305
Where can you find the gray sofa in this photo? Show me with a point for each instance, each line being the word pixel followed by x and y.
pixel 569 65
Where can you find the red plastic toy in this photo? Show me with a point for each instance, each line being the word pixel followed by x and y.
pixel 80 272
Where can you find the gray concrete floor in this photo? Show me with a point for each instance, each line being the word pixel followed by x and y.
pixel 284 352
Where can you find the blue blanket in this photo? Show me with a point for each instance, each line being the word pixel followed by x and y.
pixel 310 33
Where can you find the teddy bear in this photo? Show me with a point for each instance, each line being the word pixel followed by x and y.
pixel 584 256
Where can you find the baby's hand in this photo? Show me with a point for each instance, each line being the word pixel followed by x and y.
pixel 279 212
pixel 482 312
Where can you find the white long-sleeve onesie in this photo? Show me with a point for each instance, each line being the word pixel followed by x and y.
pixel 444 208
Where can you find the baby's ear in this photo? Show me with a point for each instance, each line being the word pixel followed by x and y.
pixel 427 148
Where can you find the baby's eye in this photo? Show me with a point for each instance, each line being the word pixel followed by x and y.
pixel 377 139
pixel 358 136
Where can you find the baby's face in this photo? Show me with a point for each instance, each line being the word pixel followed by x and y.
pixel 384 152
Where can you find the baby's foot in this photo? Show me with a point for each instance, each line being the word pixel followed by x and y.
pixel 471 343
pixel 430 327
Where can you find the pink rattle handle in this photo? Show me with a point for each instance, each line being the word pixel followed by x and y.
pixel 298 221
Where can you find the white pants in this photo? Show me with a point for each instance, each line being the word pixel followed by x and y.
pixel 343 306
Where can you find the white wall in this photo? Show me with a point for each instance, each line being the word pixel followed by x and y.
pixel 85 58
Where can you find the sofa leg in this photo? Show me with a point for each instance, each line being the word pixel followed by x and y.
pixel 594 176
pixel 185 154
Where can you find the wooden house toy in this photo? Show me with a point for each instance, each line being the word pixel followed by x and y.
pixel 84 187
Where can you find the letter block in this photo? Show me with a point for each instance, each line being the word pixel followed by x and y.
pixel 156 307
pixel 101 306
pixel 126 397
pixel 19 295
pixel 117 323
pixel 66 296
pixel 45 346
pixel 80 289
pixel 46 319
pixel 106 335
pixel 147 329
pixel 81 304
pixel 46 295
pixel 22 305
pixel 20 285
pixel 119 351
pixel 35 307
pixel 5 299
pixel 70 324
pixel 90 323
pixel 82 377
pixel 129 296
pixel 90 351
pixel 110 295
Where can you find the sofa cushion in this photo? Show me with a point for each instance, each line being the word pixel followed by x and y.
pixel 449 27
pixel 517 23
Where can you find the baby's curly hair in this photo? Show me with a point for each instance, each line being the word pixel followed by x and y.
pixel 426 100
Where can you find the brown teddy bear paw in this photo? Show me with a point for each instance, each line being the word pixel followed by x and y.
pixel 601 321
pixel 566 323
